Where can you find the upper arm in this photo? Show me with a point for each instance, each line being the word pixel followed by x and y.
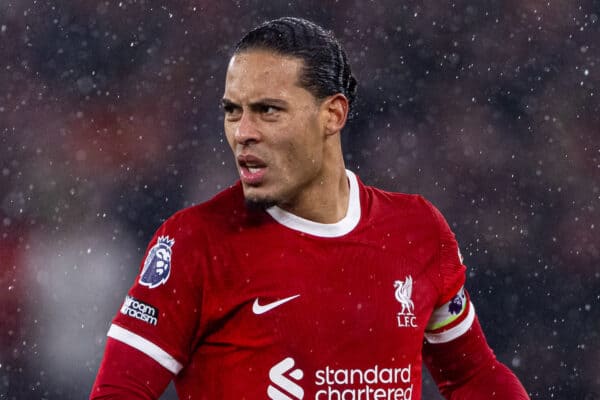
pixel 161 312
pixel 158 321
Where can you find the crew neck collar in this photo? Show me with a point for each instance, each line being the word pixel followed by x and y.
pixel 337 229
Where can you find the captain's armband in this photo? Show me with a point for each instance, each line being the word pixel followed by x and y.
pixel 451 320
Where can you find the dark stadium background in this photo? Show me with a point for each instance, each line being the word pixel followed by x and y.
pixel 109 122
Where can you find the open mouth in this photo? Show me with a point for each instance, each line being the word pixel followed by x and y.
pixel 252 169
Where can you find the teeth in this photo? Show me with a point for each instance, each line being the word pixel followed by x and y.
pixel 253 169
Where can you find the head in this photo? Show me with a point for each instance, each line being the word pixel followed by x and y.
pixel 288 93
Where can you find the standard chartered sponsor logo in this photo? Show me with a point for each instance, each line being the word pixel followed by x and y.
pixel 374 383
pixel 134 308
pixel 359 384
pixel 282 382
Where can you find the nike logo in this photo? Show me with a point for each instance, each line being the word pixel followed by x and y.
pixel 261 309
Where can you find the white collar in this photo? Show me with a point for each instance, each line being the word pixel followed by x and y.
pixel 340 228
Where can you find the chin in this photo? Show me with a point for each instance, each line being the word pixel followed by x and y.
pixel 259 204
pixel 258 201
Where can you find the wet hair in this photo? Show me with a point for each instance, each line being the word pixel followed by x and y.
pixel 326 70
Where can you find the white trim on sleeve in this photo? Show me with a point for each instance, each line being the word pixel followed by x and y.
pixel 146 347
pixel 454 332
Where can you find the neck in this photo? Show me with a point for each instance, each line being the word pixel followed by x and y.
pixel 326 201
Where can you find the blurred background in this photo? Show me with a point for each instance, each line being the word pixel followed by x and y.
pixel 110 122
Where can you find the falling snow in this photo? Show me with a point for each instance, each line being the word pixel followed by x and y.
pixel 109 123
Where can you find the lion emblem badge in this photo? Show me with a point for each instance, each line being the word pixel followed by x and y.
pixel 157 266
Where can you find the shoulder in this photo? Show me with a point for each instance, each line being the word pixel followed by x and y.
pixel 221 210
pixel 401 204
pixel 223 206
pixel 185 238
pixel 411 212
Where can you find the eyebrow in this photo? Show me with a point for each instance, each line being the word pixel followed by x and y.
pixel 227 102
pixel 264 101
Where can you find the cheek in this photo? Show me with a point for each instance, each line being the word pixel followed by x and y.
pixel 302 155
pixel 229 134
pixel 313 143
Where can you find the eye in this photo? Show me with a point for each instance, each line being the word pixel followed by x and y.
pixel 229 108
pixel 268 109
pixel 231 111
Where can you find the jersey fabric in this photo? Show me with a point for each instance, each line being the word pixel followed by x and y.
pixel 242 303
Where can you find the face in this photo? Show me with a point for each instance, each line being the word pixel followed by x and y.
pixel 274 127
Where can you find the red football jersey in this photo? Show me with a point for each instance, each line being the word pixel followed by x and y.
pixel 251 304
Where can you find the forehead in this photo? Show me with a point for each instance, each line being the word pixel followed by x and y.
pixel 253 74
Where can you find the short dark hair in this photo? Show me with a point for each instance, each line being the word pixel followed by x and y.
pixel 326 70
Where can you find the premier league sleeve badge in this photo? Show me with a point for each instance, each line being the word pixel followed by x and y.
pixel 157 266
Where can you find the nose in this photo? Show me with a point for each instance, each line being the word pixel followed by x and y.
pixel 246 131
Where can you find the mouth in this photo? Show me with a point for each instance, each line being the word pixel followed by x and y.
pixel 252 169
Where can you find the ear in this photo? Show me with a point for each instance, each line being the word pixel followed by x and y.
pixel 335 113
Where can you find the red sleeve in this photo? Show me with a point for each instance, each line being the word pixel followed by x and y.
pixel 151 318
pixel 450 270
pixel 126 373
pixel 151 337
pixel 466 368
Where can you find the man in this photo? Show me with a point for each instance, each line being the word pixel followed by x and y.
pixel 299 282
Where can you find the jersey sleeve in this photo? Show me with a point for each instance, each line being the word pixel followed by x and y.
pixel 454 313
pixel 126 373
pixel 161 311
pixel 467 368
pixel 450 270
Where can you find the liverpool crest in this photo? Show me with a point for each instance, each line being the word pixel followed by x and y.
pixel 403 293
